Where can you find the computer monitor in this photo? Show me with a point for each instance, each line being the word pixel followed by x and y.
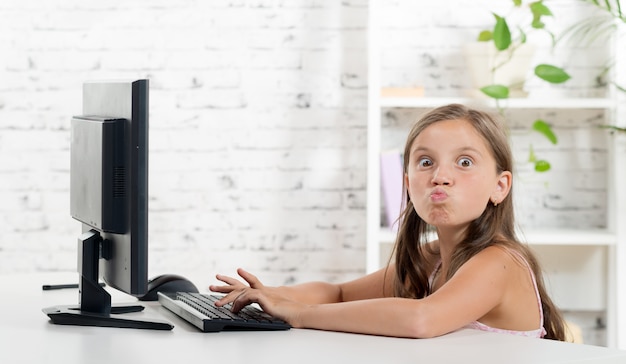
pixel 109 196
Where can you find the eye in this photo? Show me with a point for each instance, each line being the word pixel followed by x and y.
pixel 425 162
pixel 465 162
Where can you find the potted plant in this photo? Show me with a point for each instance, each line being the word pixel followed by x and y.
pixel 508 44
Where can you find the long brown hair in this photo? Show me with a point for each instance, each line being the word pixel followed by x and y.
pixel 494 227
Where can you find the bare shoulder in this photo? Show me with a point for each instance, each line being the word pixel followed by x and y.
pixel 495 259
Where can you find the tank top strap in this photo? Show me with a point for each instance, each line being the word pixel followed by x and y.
pixel 433 274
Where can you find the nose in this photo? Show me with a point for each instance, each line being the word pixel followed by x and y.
pixel 441 177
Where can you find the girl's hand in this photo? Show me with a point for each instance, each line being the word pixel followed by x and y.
pixel 270 299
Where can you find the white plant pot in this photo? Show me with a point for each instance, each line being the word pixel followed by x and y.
pixel 482 57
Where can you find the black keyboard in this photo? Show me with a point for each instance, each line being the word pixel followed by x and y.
pixel 199 309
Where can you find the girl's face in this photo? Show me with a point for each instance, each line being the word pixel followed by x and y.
pixel 452 176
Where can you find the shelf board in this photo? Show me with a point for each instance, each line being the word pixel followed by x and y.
pixel 564 237
pixel 512 103
pixel 594 237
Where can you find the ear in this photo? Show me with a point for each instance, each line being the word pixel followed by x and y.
pixel 406 184
pixel 503 186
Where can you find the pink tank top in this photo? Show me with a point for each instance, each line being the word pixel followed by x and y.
pixel 536 333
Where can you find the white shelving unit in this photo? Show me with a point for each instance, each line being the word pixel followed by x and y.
pixel 584 267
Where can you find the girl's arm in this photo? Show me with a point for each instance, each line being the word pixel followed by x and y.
pixel 379 315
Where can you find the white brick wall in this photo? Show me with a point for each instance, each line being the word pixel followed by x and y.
pixel 257 140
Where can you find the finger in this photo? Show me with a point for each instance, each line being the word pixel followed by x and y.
pixel 229 297
pixel 252 280
pixel 228 280
pixel 221 289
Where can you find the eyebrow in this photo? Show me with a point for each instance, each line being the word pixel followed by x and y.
pixel 459 150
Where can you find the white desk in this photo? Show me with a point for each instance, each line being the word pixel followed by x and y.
pixel 26 336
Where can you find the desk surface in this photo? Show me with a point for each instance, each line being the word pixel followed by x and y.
pixel 27 336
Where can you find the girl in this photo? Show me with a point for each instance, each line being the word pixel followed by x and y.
pixel 476 274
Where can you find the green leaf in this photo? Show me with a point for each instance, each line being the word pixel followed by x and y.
pixel 496 91
pixel 551 73
pixel 539 9
pixel 545 129
pixel 542 166
pixel 485 36
pixel 501 33
pixel 517 3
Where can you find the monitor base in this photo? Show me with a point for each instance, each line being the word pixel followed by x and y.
pixel 72 315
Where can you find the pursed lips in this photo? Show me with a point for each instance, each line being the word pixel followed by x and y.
pixel 438 195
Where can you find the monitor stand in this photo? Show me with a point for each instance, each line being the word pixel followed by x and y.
pixel 94 307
